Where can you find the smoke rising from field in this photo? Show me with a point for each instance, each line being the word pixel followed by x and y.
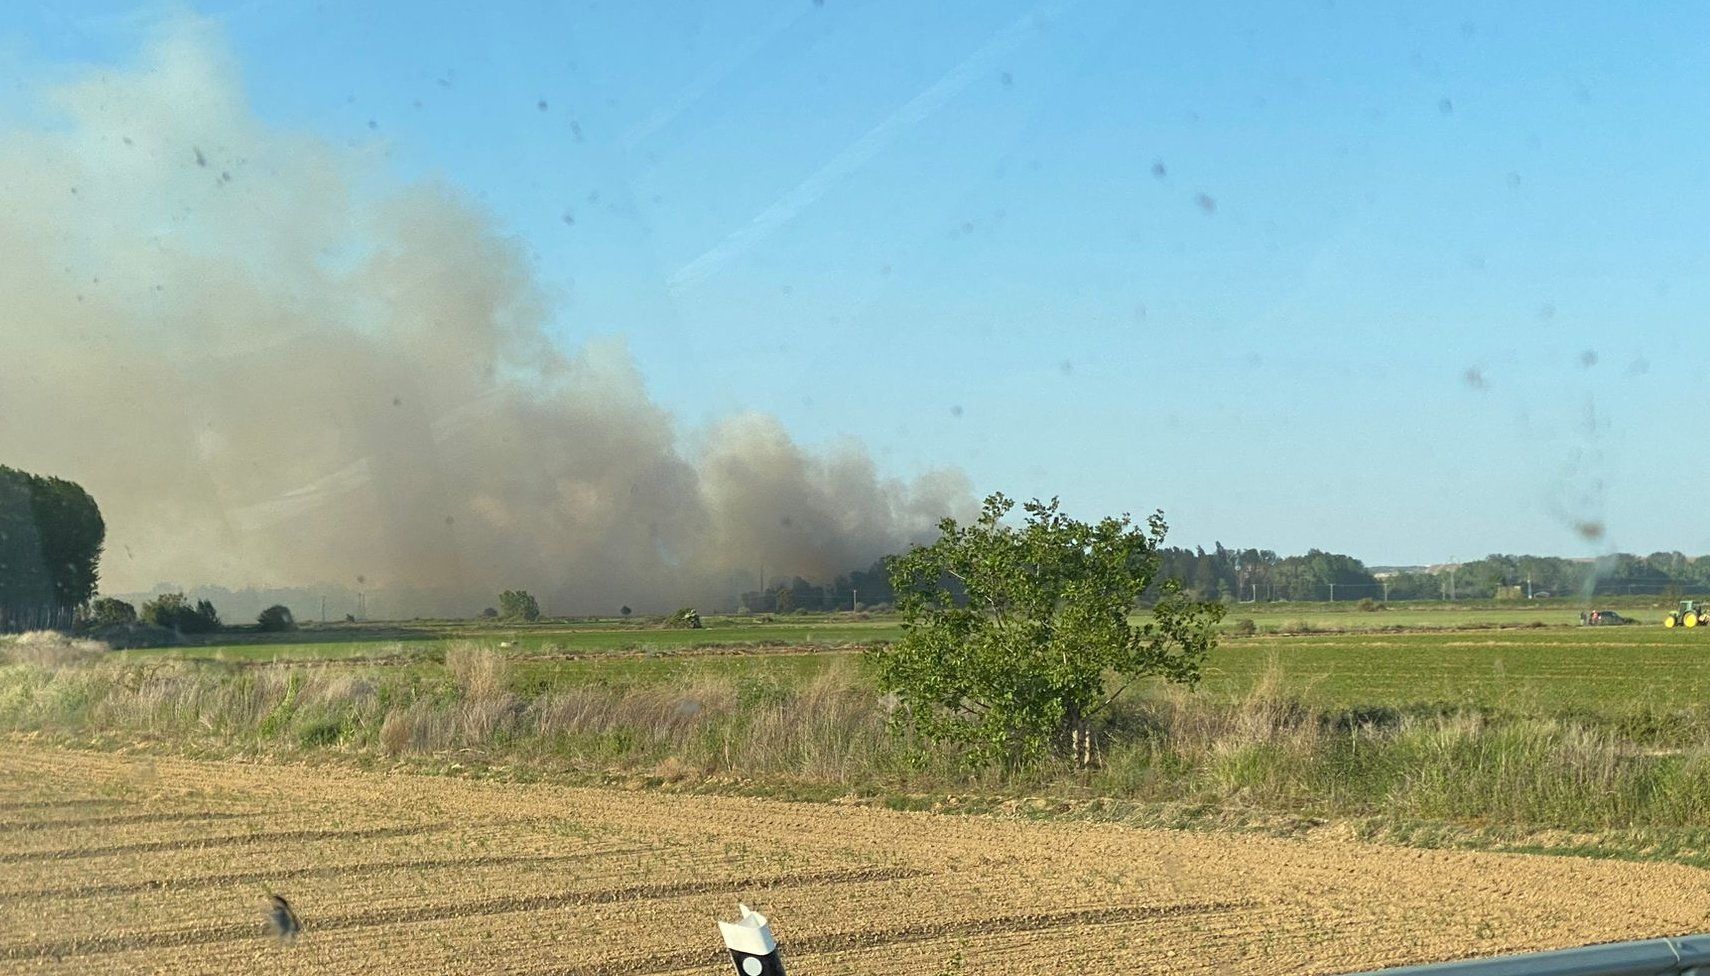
pixel 273 366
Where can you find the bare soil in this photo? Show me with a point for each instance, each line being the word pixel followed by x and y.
pixel 120 864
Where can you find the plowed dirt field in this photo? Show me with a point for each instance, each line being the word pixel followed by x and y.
pixel 124 865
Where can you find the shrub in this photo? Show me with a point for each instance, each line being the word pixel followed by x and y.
pixel 687 618
pixel 490 613
pixel 136 634
pixel 111 612
pixel 174 611
pixel 1013 667
pixel 276 618
pixel 1245 627
pixel 321 732
pixel 1370 605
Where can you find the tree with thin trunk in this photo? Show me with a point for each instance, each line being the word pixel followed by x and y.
pixel 1017 638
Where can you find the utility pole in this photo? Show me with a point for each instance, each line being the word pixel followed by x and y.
pixel 1386 591
pixel 1332 592
pixel 1528 587
pixel 854 599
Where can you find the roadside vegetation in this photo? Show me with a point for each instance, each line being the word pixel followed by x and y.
pixel 1627 776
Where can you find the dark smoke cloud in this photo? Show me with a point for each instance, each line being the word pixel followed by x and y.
pixel 273 366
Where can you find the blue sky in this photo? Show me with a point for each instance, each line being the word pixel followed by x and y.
pixel 1416 282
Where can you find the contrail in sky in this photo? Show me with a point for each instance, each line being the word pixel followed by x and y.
pixel 706 80
pixel 857 154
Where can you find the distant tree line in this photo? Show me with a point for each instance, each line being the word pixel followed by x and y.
pixel 51 534
pixel 863 588
pixel 1658 574
pixel 1260 574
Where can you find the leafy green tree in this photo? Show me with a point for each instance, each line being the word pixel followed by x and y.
pixel 51 533
pixel 518 605
pixel 205 620
pixel 174 610
pixel 276 618
pixel 1013 635
pixel 165 609
pixel 111 612
pixel 72 533
pixel 26 589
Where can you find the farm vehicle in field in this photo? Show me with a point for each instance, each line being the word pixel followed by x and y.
pixel 1691 614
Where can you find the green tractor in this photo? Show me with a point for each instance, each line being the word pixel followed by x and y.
pixel 1690 614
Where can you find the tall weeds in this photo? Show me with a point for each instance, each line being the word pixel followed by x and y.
pixel 1267 749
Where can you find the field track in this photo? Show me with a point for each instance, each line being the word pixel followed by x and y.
pixel 117 864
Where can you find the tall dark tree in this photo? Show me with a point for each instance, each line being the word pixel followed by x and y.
pixel 72 534
pixel 51 533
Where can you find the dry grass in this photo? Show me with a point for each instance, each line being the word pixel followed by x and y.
pixel 51 649
pixel 1266 749
pixel 480 673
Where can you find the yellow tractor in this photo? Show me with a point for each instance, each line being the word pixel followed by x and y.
pixel 1690 614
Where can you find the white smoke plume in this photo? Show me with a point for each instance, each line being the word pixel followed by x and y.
pixel 272 367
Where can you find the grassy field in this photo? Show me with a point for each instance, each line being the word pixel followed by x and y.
pixel 541 640
pixel 567 638
pixel 1601 731
pixel 1544 671
pixel 1519 661
pixel 1431 615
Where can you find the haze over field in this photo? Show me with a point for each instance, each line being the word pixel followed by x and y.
pixel 272 364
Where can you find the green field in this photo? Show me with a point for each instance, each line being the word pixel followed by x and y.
pixel 427 640
pixel 1545 671
pixel 1423 615
pixel 1539 671
pixel 1518 719
pixel 1518 660
pixel 1604 672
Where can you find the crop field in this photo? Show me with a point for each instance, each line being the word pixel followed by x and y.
pixel 119 865
pixel 425 638
pixel 1533 671
pixel 423 641
pixel 1543 670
